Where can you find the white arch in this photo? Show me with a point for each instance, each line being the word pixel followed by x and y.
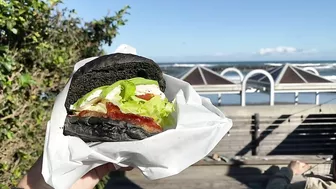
pixel 250 74
pixel 233 70
pixel 312 70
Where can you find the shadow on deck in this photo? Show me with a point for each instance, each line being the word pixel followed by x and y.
pixel 273 144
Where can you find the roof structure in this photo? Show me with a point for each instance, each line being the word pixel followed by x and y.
pixel 205 80
pixel 291 78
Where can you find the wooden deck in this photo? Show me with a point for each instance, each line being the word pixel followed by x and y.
pixel 213 175
pixel 251 148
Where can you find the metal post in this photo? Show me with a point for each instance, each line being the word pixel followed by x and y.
pixel 255 134
pixel 296 98
pixel 219 99
pixel 243 97
pixel 317 98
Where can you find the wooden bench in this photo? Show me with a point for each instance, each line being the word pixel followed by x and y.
pixel 311 134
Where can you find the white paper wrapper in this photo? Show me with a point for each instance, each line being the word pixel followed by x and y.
pixel 200 126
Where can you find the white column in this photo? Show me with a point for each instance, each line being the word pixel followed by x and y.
pixel 219 99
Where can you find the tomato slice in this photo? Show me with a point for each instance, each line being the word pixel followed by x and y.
pixel 147 123
pixel 146 96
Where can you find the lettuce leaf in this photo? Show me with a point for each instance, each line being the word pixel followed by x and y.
pixel 157 108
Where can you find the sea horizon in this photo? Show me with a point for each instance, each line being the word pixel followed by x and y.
pixel 247 61
pixel 325 68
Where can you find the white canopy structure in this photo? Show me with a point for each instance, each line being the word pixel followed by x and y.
pixel 288 79
pixel 207 81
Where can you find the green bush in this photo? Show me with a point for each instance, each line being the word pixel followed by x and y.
pixel 39 45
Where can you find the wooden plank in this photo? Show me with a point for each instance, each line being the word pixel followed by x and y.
pixel 231 145
pixel 295 140
pixel 284 135
pixel 322 150
pixel 259 162
pixel 291 119
pixel 291 136
pixel 297 129
pixel 212 177
pixel 293 124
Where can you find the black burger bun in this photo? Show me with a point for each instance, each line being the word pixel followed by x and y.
pixel 94 129
pixel 108 69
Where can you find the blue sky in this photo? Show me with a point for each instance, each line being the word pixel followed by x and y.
pixel 222 30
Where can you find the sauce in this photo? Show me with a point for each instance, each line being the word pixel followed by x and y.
pixel 145 96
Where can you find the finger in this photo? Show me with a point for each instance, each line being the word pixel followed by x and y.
pixel 88 181
pixel 126 168
pixel 308 166
pixel 102 170
pixel 112 167
pixel 302 164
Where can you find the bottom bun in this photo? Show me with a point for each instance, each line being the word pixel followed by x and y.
pixel 94 129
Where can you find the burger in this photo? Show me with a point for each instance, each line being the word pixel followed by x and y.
pixel 117 97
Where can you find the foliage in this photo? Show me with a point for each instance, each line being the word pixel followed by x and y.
pixel 39 44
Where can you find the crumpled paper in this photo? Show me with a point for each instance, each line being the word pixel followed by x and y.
pixel 200 126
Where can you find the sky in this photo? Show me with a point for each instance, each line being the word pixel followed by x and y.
pixel 221 30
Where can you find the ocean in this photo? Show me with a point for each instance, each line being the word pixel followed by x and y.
pixel 326 69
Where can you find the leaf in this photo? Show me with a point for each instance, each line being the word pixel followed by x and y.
pixel 21 19
pixel 7 65
pixel 60 59
pixel 3 48
pixel 21 11
pixel 25 80
pixel 2 186
pixel 34 38
pixel 14 30
pixel 37 34
pixel 10 25
pixel 5 166
pixel 17 173
pixel 9 135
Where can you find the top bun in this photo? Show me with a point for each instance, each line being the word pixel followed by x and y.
pixel 108 69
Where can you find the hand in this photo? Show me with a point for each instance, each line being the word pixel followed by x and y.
pixel 91 179
pixel 298 167
pixel 34 178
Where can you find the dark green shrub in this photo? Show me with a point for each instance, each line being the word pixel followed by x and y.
pixel 39 45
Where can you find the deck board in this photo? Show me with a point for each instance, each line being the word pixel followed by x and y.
pixel 205 176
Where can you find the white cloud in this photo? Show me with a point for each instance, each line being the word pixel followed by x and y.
pixel 283 50
pixel 279 50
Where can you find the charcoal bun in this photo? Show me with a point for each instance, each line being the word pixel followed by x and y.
pixel 94 129
pixel 108 69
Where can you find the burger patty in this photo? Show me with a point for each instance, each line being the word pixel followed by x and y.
pixel 113 112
